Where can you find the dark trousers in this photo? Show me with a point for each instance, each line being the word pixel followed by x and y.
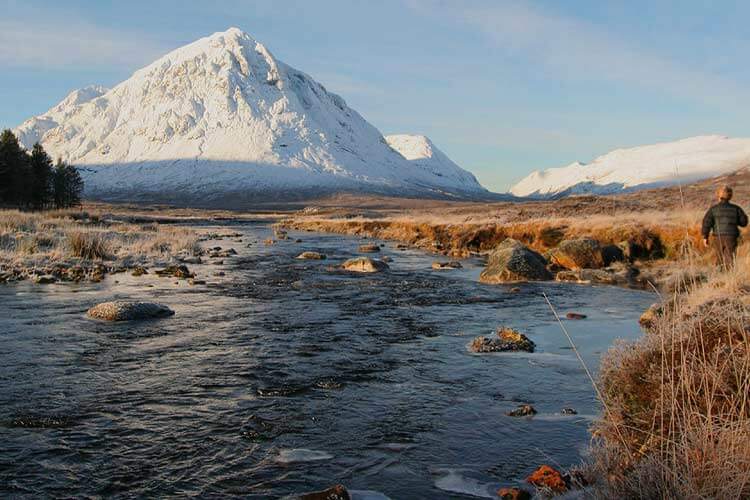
pixel 725 247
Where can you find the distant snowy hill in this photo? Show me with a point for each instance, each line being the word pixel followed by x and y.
pixel 222 121
pixel 642 167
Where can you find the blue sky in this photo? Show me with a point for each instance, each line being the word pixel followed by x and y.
pixel 503 87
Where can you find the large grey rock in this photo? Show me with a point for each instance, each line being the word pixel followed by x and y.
pixel 512 261
pixel 582 253
pixel 364 265
pixel 127 311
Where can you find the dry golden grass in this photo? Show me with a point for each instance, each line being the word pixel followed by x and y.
pixel 456 237
pixel 49 237
pixel 677 423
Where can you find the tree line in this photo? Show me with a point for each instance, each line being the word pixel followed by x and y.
pixel 29 180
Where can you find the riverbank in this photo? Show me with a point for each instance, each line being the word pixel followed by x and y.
pixel 78 245
pixel 676 420
pixel 641 250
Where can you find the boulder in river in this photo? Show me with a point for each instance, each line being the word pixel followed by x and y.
pixel 453 264
pixel 547 477
pixel 127 311
pixel 311 256
pixel 513 494
pixel 582 253
pixel 364 265
pixel 522 411
pixel 337 492
pixel 512 261
pixel 177 271
pixel 573 315
pixel 507 340
pixel 369 248
pixel 139 271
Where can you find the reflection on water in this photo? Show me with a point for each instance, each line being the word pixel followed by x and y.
pixel 287 376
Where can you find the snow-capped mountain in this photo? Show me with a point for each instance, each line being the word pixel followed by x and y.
pixel 221 119
pixel 686 160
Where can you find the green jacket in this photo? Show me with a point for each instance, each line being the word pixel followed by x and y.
pixel 724 219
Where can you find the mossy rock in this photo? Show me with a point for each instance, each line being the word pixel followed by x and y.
pixel 127 311
pixel 512 261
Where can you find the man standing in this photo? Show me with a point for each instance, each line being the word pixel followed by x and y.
pixel 724 219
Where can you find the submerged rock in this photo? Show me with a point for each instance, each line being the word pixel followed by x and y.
pixel 513 494
pixel 311 256
pixel 522 411
pixel 547 477
pixel 572 315
pixel 337 492
pixel 139 271
pixel 507 340
pixel 222 253
pixel 177 271
pixel 454 264
pixel 369 248
pixel 513 261
pixel 364 265
pixel 582 253
pixel 126 311
pixel 597 276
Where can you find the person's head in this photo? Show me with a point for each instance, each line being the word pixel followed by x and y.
pixel 724 193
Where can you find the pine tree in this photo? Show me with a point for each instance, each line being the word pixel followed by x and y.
pixel 41 173
pixel 58 184
pixel 15 172
pixel 67 185
pixel 74 185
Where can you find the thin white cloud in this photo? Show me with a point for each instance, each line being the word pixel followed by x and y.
pixel 77 44
pixel 577 50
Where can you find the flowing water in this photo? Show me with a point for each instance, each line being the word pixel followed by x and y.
pixel 287 376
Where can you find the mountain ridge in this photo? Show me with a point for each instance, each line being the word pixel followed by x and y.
pixel 640 167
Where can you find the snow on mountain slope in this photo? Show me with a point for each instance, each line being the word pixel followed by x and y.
pixel 422 153
pixel 686 160
pixel 222 118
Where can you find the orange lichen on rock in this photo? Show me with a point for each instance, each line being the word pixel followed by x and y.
pixel 547 477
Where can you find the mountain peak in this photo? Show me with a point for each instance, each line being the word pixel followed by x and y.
pixel 223 115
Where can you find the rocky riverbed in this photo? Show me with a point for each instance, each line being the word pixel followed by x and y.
pixel 278 375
